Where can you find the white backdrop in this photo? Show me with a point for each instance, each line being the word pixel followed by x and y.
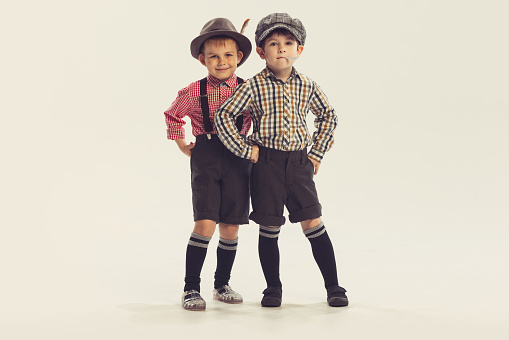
pixel 96 206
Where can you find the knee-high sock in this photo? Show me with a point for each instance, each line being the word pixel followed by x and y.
pixel 195 256
pixel 226 251
pixel 323 252
pixel 268 251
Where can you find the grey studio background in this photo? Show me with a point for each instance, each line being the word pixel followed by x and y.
pixel 96 205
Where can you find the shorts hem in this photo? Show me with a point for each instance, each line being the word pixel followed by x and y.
pixel 267 220
pixel 206 216
pixel 234 220
pixel 309 213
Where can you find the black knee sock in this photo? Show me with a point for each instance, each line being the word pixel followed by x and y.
pixel 323 253
pixel 195 256
pixel 226 251
pixel 268 251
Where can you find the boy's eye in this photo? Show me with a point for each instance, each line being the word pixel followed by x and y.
pixel 289 42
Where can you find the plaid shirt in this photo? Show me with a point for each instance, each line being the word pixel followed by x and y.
pixel 188 104
pixel 278 111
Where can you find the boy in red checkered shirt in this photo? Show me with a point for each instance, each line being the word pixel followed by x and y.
pixel 219 179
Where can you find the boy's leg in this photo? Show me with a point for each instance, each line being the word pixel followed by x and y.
pixel 196 252
pixel 195 256
pixel 322 248
pixel 226 251
pixel 205 169
pixel 268 195
pixel 304 207
pixel 323 252
pixel 234 210
pixel 268 252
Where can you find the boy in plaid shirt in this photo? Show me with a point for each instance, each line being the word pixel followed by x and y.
pixel 219 179
pixel 279 99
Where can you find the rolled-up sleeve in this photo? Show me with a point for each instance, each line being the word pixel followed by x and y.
pixel 325 123
pixel 175 114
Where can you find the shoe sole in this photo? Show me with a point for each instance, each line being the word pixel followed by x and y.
pixel 338 302
pixel 195 309
pixel 232 302
pixel 271 302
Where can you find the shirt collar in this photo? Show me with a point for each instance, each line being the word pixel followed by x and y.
pixel 231 82
pixel 267 73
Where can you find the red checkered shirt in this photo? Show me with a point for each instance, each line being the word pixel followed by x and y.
pixel 188 104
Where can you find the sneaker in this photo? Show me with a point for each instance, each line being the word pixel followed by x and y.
pixel 227 294
pixel 192 300
pixel 272 297
pixel 336 296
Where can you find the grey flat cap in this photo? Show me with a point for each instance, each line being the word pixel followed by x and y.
pixel 280 20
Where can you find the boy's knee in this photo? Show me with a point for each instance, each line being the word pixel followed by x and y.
pixel 308 224
pixel 204 227
pixel 228 231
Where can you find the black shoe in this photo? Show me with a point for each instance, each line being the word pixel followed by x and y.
pixel 272 297
pixel 336 296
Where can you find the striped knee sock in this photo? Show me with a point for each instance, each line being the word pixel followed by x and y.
pixel 195 256
pixel 268 251
pixel 323 252
pixel 226 251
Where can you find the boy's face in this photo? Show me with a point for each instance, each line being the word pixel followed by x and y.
pixel 275 50
pixel 221 59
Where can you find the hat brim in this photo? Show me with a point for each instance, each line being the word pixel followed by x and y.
pixel 244 43
pixel 289 28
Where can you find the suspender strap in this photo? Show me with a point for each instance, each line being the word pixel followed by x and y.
pixel 207 124
pixel 204 101
pixel 240 119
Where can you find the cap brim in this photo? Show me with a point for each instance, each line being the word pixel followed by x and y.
pixel 244 43
pixel 275 27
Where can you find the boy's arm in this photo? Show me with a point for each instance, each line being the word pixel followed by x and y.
pixel 224 121
pixel 175 122
pixel 187 149
pixel 175 114
pixel 325 124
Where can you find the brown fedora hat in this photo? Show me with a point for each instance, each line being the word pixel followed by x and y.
pixel 224 27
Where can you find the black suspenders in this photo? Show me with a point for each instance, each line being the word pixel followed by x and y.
pixel 207 124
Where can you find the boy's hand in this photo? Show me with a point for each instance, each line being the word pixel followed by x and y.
pixel 316 164
pixel 187 149
pixel 254 153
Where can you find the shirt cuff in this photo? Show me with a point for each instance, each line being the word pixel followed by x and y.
pixel 316 154
pixel 175 135
pixel 246 151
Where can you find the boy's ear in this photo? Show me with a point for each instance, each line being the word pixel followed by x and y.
pixel 260 52
pixel 300 49
pixel 201 58
pixel 240 55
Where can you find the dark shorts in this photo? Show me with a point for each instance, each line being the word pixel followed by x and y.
pixel 220 183
pixel 279 179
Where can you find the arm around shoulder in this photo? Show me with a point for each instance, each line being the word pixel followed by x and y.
pixel 224 121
